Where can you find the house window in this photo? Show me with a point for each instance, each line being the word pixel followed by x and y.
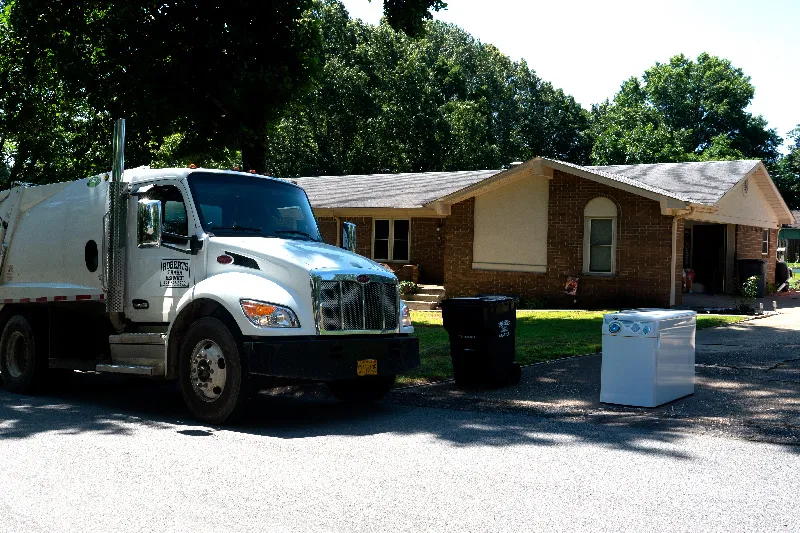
pixel 390 240
pixel 765 242
pixel 600 237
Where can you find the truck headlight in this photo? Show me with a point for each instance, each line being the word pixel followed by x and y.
pixel 405 315
pixel 267 315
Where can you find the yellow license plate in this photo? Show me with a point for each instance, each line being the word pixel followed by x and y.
pixel 367 367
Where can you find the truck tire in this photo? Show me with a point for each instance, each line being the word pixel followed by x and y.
pixel 211 372
pixel 23 362
pixel 368 389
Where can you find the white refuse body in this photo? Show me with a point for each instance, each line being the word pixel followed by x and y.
pixel 648 356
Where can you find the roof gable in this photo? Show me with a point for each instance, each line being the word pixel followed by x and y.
pixel 698 182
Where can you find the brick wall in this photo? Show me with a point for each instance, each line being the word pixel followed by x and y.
pixel 643 255
pixel 329 229
pixel 679 262
pixel 427 248
pixel 772 256
pixel 363 234
pixel 749 246
pixel 426 236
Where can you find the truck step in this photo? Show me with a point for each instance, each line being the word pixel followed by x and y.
pixel 128 369
pixel 138 338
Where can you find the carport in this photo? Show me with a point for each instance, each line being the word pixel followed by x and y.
pixel 709 250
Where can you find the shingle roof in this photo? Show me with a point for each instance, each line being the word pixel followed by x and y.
pixel 700 183
pixel 405 190
pixel 608 173
pixel 796 224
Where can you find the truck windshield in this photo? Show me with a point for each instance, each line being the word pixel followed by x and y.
pixel 239 205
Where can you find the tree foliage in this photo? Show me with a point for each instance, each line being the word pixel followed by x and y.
pixel 196 80
pixel 786 172
pixel 385 102
pixel 295 87
pixel 214 71
pixel 682 110
pixel 409 16
pixel 46 131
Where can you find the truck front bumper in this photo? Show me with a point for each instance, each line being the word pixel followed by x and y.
pixel 330 358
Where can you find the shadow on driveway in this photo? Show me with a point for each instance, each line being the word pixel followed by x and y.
pixel 109 405
pixel 748 386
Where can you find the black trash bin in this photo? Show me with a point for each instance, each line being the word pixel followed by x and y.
pixel 754 267
pixel 782 274
pixel 482 336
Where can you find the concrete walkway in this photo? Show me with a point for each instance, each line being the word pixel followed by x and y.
pixel 747 385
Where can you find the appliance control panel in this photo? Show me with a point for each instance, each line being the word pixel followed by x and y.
pixel 628 328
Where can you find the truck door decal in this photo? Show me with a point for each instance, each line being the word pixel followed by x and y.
pixel 174 273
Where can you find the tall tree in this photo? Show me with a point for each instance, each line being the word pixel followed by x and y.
pixel 409 16
pixel 786 173
pixel 682 110
pixel 217 75
pixel 385 102
pixel 46 131
pixel 217 71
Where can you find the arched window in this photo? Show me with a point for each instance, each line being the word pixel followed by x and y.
pixel 600 237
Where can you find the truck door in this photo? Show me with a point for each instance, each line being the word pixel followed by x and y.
pixel 159 276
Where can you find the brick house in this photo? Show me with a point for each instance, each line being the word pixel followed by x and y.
pixel 626 232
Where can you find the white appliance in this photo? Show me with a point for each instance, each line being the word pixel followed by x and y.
pixel 648 356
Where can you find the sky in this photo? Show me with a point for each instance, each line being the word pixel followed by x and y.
pixel 589 47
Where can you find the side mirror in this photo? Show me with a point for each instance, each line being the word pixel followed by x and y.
pixel 195 244
pixel 149 223
pixel 349 236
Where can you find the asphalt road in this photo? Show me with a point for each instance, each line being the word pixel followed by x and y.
pixel 108 454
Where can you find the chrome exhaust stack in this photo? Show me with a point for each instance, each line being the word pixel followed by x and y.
pixel 115 227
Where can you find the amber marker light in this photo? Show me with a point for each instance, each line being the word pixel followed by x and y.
pixel 266 315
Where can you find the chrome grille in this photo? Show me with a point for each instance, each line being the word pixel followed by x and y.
pixel 347 305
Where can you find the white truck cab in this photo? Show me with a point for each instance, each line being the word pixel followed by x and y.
pixel 219 279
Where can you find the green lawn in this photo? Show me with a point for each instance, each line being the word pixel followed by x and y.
pixel 541 336
pixel 795 270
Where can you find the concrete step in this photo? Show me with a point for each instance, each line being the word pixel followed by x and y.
pixel 416 305
pixel 431 289
pixel 420 297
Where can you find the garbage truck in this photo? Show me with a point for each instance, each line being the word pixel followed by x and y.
pixel 217 279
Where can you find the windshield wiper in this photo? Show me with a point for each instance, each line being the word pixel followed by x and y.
pixel 235 228
pixel 296 232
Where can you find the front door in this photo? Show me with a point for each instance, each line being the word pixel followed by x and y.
pixel 158 277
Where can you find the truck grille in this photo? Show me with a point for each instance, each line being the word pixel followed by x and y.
pixel 346 305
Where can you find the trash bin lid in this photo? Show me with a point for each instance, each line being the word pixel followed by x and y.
pixel 476 300
pixel 649 315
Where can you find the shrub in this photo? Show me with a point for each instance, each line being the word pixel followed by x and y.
pixel 771 288
pixel 746 296
pixel 532 303
pixel 408 287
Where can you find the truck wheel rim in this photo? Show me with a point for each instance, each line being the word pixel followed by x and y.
pixel 17 354
pixel 208 370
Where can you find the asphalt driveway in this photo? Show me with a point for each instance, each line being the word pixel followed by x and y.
pixel 747 385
